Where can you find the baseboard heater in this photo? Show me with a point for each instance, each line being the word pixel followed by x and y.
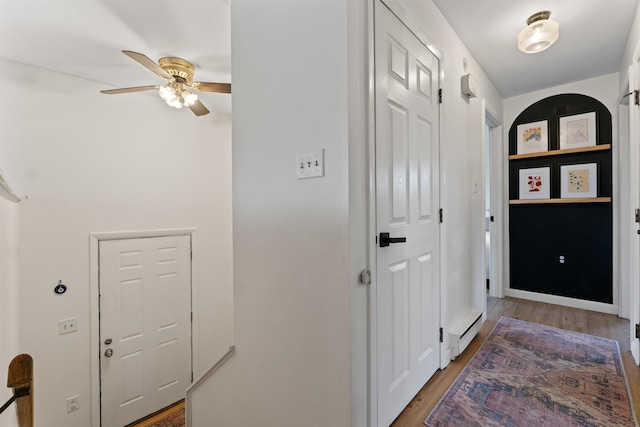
pixel 464 331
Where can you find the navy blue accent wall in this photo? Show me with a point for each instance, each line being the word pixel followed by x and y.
pixel 563 249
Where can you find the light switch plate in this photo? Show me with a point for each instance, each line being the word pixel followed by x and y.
pixel 310 165
pixel 67 326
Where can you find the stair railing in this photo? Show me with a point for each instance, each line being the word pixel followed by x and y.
pixel 20 378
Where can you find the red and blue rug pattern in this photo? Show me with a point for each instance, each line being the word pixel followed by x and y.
pixel 527 374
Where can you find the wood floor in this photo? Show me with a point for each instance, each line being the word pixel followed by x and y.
pixel 151 419
pixel 587 322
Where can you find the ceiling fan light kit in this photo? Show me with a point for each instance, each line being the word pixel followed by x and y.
pixel 540 33
pixel 179 74
pixel 175 95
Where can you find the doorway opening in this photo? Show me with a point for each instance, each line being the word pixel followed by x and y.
pixel 494 218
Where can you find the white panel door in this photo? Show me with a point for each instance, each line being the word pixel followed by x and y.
pixel 634 138
pixel 407 191
pixel 145 326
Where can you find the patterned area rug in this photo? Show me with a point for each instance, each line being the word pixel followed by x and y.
pixel 527 374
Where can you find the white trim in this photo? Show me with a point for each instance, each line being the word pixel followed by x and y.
pixel 634 191
pixel 564 301
pixel 372 408
pixel 615 215
pixel 120 235
pixel 504 209
pixel 94 304
pixel 496 288
pixel 623 211
pixel 496 281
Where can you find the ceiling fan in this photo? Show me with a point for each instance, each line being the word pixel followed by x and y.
pixel 181 90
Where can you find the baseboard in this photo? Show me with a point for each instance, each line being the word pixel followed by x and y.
pixel 565 301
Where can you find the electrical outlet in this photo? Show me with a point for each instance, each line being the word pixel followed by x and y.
pixel 73 403
pixel 310 165
pixel 67 326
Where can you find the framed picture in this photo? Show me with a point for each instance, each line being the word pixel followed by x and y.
pixel 578 130
pixel 535 183
pixel 579 181
pixel 533 137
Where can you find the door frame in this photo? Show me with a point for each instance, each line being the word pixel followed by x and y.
pixel 496 202
pixel 634 196
pixel 626 203
pixel 406 18
pixel 94 285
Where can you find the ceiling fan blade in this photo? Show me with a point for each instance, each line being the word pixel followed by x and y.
pixel 148 63
pixel 199 109
pixel 129 89
pixel 212 87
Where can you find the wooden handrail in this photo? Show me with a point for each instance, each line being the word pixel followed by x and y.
pixel 20 378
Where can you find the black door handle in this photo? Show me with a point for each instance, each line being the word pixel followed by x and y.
pixel 385 240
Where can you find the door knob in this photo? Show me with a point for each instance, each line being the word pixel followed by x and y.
pixel 108 352
pixel 385 240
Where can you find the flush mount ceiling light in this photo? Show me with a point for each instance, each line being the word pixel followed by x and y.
pixel 541 32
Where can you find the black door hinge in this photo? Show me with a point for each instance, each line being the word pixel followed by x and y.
pixel 491 218
pixel 441 335
pixel 637 215
pixel 440 96
pixel 441 216
pixel 638 331
pixel 636 97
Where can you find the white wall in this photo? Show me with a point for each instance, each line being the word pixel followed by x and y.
pixel 605 90
pixel 291 249
pixel 291 237
pixel 463 278
pixel 9 315
pixel 92 163
pixel 631 48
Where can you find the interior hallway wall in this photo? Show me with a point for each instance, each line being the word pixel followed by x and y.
pixel 9 305
pixel 630 48
pixel 291 237
pixel 92 163
pixel 292 248
pixel 462 172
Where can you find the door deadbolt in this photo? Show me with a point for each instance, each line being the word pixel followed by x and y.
pixel 108 341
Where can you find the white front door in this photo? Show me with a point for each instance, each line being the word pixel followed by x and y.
pixel 145 326
pixel 407 190
pixel 634 138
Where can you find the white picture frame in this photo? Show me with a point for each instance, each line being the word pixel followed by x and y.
pixel 535 183
pixel 579 181
pixel 533 137
pixel 578 130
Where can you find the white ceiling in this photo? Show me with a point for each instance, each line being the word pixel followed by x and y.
pixel 84 38
pixel 593 35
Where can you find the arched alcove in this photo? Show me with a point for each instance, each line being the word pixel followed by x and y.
pixel 561 239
